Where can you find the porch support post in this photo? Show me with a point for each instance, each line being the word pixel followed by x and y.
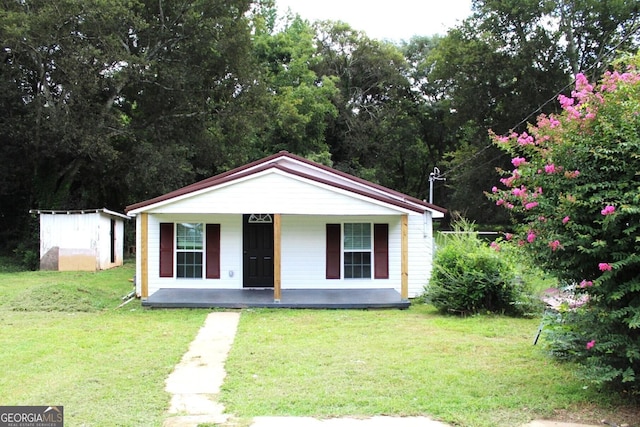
pixel 277 258
pixel 144 255
pixel 404 263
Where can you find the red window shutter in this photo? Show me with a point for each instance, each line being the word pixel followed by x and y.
pixel 213 251
pixel 333 251
pixel 166 249
pixel 381 250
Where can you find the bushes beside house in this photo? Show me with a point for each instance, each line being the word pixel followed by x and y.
pixel 471 276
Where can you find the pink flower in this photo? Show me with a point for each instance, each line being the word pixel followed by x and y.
pixel 525 139
pixel 499 202
pixel 518 192
pixel 508 236
pixel 565 101
pixel 550 168
pixel 508 182
pixel 604 266
pixel 590 344
pixel 586 283
pixel 554 245
pixel 531 236
pixel 494 189
pixel 517 161
pixel 565 219
pixel 530 205
pixel 495 246
pixel 608 210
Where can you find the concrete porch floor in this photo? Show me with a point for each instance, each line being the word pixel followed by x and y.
pixel 263 298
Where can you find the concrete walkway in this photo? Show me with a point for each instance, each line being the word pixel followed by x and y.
pixel 196 380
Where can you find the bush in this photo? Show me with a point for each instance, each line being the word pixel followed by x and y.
pixel 470 277
pixel 575 193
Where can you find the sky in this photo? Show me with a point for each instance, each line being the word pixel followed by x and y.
pixel 393 20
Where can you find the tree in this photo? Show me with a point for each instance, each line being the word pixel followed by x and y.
pixel 110 102
pixel 575 192
pixel 382 131
pixel 502 65
pixel 300 102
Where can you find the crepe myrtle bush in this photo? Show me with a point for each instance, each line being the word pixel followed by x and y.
pixel 574 193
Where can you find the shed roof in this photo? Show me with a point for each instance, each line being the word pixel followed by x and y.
pixel 78 212
pixel 300 167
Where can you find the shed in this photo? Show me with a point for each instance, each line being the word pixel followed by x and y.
pixel 283 231
pixel 81 240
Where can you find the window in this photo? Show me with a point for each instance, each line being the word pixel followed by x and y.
pixel 189 250
pixel 357 251
pixel 186 247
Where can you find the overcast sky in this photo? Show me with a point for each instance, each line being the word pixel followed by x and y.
pixel 391 19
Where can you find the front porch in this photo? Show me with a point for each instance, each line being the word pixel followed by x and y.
pixel 264 298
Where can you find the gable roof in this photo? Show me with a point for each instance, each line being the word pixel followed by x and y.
pixel 303 168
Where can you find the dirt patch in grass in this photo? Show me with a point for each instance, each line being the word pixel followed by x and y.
pixel 61 297
pixel 591 413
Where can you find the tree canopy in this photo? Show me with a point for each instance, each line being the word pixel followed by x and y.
pixel 106 103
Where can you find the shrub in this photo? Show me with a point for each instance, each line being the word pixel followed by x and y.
pixel 575 193
pixel 470 277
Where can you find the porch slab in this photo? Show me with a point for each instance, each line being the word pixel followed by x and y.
pixel 263 298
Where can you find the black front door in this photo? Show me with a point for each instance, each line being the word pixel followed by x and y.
pixel 258 251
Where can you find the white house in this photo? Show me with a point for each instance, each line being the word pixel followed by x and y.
pixel 282 223
pixel 87 240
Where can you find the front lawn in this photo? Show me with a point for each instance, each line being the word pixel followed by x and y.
pixel 64 343
pixel 473 371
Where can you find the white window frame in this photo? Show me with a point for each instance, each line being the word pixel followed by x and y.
pixel 201 251
pixel 346 251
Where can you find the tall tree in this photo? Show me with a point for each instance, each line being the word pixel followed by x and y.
pixel 111 101
pixel 381 129
pixel 506 63
pixel 300 103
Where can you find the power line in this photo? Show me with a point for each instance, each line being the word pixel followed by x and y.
pixel 541 106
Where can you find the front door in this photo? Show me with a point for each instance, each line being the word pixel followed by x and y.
pixel 258 251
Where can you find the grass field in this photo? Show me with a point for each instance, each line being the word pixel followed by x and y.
pixel 474 371
pixel 64 342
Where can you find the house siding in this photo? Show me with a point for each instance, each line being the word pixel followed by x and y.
pixel 303 246
pixel 271 192
pixel 230 253
pixel 303 253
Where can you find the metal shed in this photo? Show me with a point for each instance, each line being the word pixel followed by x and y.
pixel 81 240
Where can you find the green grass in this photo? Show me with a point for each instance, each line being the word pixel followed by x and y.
pixel 64 343
pixel 474 371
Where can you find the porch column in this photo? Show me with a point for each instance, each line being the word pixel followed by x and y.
pixel 404 263
pixel 144 255
pixel 277 258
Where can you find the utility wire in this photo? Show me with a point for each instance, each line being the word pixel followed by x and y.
pixel 539 108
